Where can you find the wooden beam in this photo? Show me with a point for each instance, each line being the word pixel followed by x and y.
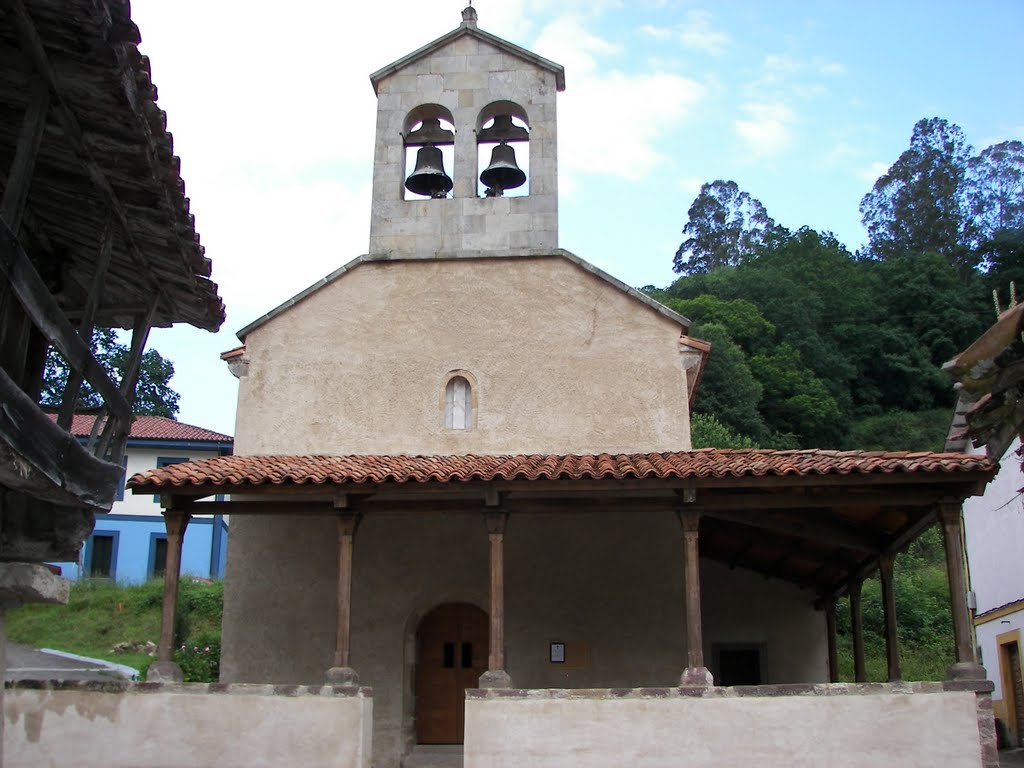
pixel 497 522
pixel 696 672
pixel 829 533
pixel 831 635
pixel 33 48
pixel 892 642
pixel 19 179
pixel 347 524
pixel 176 522
pixel 860 674
pixel 952 538
pixel 42 308
pixel 85 326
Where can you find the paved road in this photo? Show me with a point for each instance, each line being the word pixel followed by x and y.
pixel 27 663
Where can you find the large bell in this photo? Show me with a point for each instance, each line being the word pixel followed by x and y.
pixel 429 178
pixel 502 173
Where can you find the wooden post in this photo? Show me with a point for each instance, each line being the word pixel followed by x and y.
pixel 860 674
pixel 696 673
pixel 342 673
pixel 966 666
pixel 496 676
pixel 164 669
pixel 830 629
pixel 892 643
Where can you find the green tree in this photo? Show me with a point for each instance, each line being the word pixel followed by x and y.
pixel 725 226
pixel 795 400
pixel 918 204
pixel 744 322
pixel 994 189
pixel 708 432
pixel 728 390
pixel 153 393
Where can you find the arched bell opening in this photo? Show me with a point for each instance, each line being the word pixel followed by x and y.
pixel 429 139
pixel 503 150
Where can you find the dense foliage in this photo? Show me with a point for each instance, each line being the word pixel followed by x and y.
pixel 153 393
pixel 816 346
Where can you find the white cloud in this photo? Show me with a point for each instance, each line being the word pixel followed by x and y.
pixel 566 41
pixel 697 34
pixel 873 172
pixel 614 122
pixel 767 132
pixel 830 68
pixel 658 33
pixel 690 186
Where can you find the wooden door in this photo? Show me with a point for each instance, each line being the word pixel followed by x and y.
pixel 451 654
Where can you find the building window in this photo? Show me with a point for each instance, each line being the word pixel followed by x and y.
pixel 458 403
pixel 101 555
pixel 157 555
pixel 163 461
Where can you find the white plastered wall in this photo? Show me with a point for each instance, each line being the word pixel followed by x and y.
pixel 609 584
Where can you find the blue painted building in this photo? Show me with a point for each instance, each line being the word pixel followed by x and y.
pixel 129 544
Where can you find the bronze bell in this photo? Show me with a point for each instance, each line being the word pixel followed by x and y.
pixel 502 173
pixel 429 178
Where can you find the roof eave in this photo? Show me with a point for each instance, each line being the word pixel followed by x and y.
pixel 461 31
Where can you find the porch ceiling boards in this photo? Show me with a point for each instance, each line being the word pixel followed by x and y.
pixel 818 519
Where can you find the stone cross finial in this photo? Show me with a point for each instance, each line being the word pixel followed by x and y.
pixel 469 15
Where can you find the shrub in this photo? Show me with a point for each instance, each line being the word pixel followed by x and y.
pixel 199 659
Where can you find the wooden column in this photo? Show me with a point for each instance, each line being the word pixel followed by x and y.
pixel 342 673
pixel 496 676
pixel 165 669
pixel 966 666
pixel 892 643
pixel 830 629
pixel 696 673
pixel 860 674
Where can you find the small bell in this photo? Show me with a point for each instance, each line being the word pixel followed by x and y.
pixel 502 173
pixel 429 178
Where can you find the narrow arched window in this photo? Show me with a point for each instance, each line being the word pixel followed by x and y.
pixel 458 403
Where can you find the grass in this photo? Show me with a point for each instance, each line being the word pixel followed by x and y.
pixel 100 615
pixel 916 662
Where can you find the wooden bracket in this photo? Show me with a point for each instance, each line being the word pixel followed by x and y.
pixel 689 518
pixel 688 494
pixel 348 522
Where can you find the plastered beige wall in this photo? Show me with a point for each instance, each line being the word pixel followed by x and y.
pixel 180 728
pixel 564 363
pixel 851 731
pixel 610 583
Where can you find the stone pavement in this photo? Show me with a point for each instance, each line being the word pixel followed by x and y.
pixel 1011 758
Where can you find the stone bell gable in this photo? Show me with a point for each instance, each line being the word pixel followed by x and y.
pixel 464 94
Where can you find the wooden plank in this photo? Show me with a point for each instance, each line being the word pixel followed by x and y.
pixel 176 523
pixel 33 47
pixel 49 462
pixel 19 180
pixel 952 537
pixel 42 308
pixel 85 326
pixel 819 530
pixel 831 636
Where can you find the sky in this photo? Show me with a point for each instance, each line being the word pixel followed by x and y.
pixel 803 104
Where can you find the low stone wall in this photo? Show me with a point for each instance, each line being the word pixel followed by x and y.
pixel 159 725
pixel 914 725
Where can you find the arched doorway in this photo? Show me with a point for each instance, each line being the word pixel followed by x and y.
pixel 451 654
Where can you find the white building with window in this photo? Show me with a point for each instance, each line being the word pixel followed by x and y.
pixel 129 544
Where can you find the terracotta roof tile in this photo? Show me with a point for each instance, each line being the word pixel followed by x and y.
pixel 704 463
pixel 151 428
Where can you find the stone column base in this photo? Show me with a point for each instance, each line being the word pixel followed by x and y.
pixel 164 672
pixel 700 676
pixel 342 676
pixel 966 670
pixel 497 678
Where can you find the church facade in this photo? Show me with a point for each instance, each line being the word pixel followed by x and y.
pixel 463 472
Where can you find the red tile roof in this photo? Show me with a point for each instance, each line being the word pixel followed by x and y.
pixel 152 428
pixel 704 463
